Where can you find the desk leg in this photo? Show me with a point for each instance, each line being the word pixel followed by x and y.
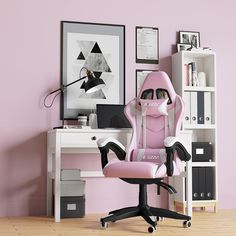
pixel 49 182
pixel 57 185
pixel 189 188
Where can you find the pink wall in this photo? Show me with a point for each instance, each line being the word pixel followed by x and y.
pixel 29 62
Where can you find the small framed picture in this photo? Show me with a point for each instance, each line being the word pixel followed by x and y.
pixel 140 77
pixel 190 37
pixel 183 47
pixel 147 45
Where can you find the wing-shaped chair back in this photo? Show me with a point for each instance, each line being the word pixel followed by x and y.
pixel 155 114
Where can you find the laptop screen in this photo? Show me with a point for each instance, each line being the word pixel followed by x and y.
pixel 111 116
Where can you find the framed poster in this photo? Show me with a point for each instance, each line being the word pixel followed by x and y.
pixel 100 48
pixel 147 45
pixel 190 37
pixel 140 77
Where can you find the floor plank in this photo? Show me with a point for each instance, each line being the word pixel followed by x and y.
pixel 203 223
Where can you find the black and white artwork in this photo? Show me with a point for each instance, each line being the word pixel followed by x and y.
pixel 183 47
pixel 100 49
pixel 190 37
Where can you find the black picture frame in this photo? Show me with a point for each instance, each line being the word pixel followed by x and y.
pixel 139 83
pixel 147 45
pixel 82 44
pixel 182 47
pixel 190 37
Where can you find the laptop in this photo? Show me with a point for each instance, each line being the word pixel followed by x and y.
pixel 111 116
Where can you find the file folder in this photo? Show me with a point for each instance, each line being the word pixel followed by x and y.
pixel 207 108
pixel 201 183
pixel 193 109
pixel 200 107
pixel 195 184
pixel 187 107
pixel 209 183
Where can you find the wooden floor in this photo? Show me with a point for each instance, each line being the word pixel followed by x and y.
pixel 222 223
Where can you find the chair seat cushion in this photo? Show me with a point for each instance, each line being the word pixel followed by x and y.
pixel 125 169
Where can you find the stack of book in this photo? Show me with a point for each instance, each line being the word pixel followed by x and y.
pixel 191 74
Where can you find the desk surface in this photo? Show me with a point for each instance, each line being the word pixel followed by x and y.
pixel 77 130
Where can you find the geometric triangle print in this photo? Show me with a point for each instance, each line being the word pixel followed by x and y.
pixel 97 62
pixel 82 85
pixel 85 47
pixel 81 56
pixel 97 74
pixel 96 49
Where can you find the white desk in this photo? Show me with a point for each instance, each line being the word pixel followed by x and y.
pixel 84 141
pixel 74 141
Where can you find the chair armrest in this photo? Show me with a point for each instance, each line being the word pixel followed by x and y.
pixel 173 144
pixel 104 141
pixel 106 144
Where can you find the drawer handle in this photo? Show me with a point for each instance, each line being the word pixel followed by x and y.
pixel 94 138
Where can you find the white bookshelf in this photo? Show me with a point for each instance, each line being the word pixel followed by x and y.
pixel 205 62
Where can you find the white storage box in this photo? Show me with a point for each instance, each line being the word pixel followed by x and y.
pixel 72 188
pixel 70 174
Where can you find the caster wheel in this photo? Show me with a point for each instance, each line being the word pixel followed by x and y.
pixel 151 229
pixel 104 225
pixel 186 224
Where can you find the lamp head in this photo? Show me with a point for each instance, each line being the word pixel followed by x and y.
pixel 93 84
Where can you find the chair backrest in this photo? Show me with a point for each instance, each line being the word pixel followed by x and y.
pixel 150 125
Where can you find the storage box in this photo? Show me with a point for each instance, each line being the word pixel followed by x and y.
pixel 72 207
pixel 72 188
pixel 70 174
pixel 202 151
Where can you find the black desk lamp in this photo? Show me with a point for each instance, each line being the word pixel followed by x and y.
pixel 92 85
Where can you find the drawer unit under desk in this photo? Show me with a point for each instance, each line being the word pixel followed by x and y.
pixel 89 139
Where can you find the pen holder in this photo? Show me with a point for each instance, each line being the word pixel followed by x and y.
pixel 93 120
pixel 82 120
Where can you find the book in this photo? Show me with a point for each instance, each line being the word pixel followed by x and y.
pixel 190 76
pixel 186 75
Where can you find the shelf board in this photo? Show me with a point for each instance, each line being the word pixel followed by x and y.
pixel 196 88
pixel 84 174
pixel 199 126
pixel 204 164
pixel 198 202
pixel 197 53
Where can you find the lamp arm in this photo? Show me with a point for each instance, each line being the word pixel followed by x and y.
pixel 61 90
pixel 64 86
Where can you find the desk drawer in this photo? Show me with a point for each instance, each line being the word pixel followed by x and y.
pixel 90 139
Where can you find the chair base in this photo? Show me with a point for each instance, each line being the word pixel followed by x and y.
pixel 144 211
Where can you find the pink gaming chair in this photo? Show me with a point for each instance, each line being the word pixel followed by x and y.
pixel 154 152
